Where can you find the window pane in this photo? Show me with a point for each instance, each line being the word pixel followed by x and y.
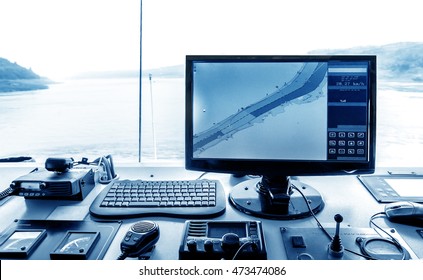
pixel 163 113
pixel 173 29
pixel 89 50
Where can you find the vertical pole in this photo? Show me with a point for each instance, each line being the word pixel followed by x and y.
pixel 140 89
pixel 152 116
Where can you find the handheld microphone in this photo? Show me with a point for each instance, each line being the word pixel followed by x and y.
pixel 139 239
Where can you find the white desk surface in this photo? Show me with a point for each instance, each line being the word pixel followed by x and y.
pixel 343 195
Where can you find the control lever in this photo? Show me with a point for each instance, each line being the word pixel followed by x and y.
pixel 139 239
pixel 335 248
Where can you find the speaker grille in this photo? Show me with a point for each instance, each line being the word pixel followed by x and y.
pixel 197 229
pixel 58 188
pixel 144 226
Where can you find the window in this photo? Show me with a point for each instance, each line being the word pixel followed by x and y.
pixel 90 49
pixel 173 29
pixel 89 52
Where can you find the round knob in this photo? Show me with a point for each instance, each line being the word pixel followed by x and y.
pixel 208 245
pixel 338 218
pixel 192 245
pixel 230 242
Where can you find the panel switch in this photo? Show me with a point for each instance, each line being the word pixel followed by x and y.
pixel 298 241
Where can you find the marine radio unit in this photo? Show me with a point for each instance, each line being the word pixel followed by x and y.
pixel 74 184
pixel 214 240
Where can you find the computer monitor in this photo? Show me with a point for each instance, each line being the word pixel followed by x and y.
pixel 278 117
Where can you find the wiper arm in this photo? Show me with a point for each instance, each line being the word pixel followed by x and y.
pixel 16 159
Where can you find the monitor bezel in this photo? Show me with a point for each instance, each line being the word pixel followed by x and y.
pixel 279 167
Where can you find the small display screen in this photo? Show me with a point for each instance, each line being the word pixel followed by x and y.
pixel 217 230
pixel 407 187
pixel 33 186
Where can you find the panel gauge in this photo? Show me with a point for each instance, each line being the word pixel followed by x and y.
pixel 21 242
pixel 75 245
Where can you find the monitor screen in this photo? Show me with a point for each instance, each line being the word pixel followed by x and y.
pixel 281 115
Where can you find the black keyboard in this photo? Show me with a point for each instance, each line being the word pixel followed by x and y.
pixel 136 198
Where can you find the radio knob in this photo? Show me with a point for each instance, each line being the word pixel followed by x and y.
pixel 43 186
pixel 230 242
pixel 208 245
pixel 192 245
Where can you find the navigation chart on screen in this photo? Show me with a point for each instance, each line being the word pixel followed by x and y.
pixel 240 105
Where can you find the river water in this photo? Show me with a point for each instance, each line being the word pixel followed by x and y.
pixel 94 117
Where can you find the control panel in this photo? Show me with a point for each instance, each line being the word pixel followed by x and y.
pixel 222 240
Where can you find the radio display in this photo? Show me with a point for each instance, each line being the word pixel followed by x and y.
pixel 31 186
pixel 217 230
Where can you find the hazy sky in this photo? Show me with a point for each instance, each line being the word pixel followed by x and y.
pixel 58 38
pixel 62 37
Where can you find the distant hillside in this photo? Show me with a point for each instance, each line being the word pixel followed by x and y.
pixel 396 62
pixel 14 77
pixel 402 62
pixel 177 71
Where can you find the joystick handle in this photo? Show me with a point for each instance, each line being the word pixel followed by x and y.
pixel 336 249
pixel 338 219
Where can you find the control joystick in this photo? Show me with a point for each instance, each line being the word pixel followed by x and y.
pixel 335 248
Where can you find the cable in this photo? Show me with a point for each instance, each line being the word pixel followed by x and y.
pixel 102 162
pixel 321 226
pixel 122 256
pixel 201 176
pixel 112 166
pixel 241 248
pixel 106 164
pixel 6 193
pixel 371 222
pixel 311 212
pixel 390 238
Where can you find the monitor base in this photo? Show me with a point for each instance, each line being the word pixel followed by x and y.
pixel 248 197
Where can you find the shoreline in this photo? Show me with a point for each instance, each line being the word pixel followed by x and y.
pixel 10 86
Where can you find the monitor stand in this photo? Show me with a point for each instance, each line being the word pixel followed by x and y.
pixel 275 197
